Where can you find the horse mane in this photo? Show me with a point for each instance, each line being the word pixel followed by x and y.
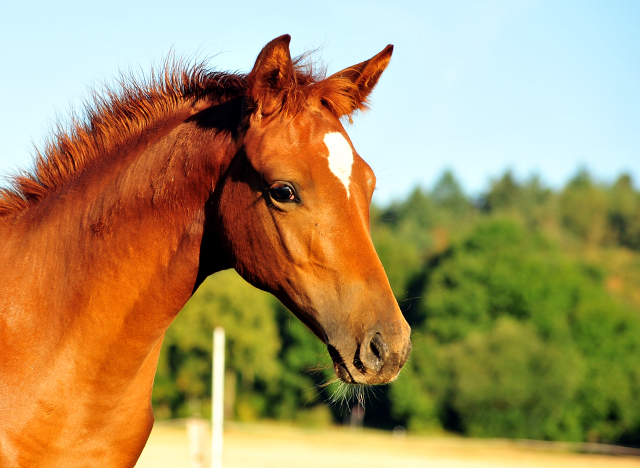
pixel 114 117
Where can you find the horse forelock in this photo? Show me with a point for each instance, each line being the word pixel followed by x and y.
pixel 114 116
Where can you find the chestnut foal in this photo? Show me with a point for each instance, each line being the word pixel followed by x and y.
pixel 166 183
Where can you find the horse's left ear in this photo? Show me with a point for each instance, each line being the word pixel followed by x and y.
pixel 271 76
pixel 362 77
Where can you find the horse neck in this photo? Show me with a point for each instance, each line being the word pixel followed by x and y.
pixel 93 275
pixel 122 242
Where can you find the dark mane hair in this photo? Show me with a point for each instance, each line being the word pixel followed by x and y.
pixel 114 116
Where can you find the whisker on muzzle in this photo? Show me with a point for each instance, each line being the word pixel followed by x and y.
pixel 343 394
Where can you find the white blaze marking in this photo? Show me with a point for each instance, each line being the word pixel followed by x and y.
pixel 340 157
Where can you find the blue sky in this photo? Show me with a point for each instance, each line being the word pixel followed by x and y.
pixel 478 87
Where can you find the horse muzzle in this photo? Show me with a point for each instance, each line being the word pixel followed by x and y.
pixel 376 360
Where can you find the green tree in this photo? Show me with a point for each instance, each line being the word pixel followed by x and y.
pixel 583 208
pixel 448 195
pixel 624 213
pixel 509 382
pixel 504 193
pixel 184 369
pixel 527 343
pixel 306 367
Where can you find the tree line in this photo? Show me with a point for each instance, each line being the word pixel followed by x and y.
pixel 525 309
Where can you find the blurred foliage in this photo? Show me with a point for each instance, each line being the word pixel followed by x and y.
pixel 524 304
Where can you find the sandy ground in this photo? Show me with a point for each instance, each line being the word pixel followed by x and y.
pixel 276 446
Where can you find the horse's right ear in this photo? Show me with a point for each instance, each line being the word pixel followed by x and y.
pixel 271 76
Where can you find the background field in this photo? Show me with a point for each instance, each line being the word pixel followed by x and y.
pixel 279 446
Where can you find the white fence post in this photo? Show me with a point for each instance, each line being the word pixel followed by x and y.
pixel 217 398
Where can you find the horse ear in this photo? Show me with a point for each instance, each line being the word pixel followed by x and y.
pixel 271 76
pixel 362 78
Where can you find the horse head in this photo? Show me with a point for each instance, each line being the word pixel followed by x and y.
pixel 293 212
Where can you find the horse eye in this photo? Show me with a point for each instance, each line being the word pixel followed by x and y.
pixel 282 193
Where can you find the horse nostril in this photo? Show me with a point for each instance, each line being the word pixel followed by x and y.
pixel 374 354
pixel 374 349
